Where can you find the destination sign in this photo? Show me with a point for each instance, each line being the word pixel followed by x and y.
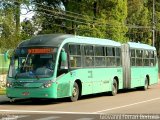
pixel 40 50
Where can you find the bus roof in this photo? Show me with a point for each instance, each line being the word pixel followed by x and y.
pixel 45 40
pixel 57 39
pixel 141 46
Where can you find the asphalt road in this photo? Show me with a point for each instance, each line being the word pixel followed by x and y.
pixel 88 107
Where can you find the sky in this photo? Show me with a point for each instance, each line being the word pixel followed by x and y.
pixel 29 15
pixel 24 14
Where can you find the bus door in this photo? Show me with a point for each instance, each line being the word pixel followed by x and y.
pixel 136 69
pixel 63 76
pixel 87 76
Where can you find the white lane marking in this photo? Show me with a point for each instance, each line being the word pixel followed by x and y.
pixel 85 119
pixel 13 117
pixel 53 112
pixel 48 118
pixel 114 108
pixel 63 112
pixel 21 116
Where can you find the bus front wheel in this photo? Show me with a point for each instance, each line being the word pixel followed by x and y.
pixel 114 88
pixel 75 93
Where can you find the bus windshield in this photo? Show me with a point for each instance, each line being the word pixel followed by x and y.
pixel 33 64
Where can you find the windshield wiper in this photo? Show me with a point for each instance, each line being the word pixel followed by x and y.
pixel 34 75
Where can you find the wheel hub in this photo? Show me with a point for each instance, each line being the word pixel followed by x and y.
pixel 74 91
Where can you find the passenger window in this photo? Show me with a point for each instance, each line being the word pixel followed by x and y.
pixel 146 58
pixel 99 56
pixel 110 56
pixel 110 51
pixel 118 52
pixel 139 53
pixel 118 56
pixel 74 49
pixel 99 51
pixel 152 61
pixel 75 56
pixel 89 56
pixel 88 50
pixel 132 53
pixel 139 59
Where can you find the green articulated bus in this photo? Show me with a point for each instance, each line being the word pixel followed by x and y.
pixel 60 65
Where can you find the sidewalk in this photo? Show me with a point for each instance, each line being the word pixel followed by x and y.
pixel 3 98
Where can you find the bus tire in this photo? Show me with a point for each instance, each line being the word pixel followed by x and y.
pixel 114 88
pixel 145 87
pixel 34 100
pixel 75 93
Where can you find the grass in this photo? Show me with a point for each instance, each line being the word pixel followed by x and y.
pixel 2 91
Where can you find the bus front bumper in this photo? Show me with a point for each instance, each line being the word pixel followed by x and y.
pixel 31 92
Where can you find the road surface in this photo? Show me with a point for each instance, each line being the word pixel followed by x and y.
pixel 89 107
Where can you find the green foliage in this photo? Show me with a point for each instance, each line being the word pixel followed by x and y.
pixel 139 15
pixel 101 18
pixel 10 33
pixel 28 29
pixel 112 19
pixel 7 38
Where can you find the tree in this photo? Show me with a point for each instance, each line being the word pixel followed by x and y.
pixel 10 23
pixel 139 15
pixel 28 29
pixel 50 16
pixel 99 18
pixel 7 26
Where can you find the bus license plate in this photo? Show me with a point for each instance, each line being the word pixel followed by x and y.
pixel 25 93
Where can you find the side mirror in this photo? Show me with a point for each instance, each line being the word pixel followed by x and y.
pixel 64 56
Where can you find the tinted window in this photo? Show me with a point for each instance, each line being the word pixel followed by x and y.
pixel 89 56
pixel 118 52
pixel 88 50
pixel 99 56
pixel 132 53
pixel 75 56
pixel 99 51
pixel 110 51
pixel 74 50
pixel 139 53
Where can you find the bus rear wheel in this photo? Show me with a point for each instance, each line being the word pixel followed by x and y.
pixel 114 88
pixel 75 93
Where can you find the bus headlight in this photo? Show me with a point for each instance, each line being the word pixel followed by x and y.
pixel 8 84
pixel 47 85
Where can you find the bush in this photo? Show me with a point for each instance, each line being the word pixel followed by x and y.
pixel 3 81
pixel 2 91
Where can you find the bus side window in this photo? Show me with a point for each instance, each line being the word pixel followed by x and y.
pixel 152 58
pixel 155 58
pixel 99 56
pixel 139 57
pixel 146 58
pixel 75 57
pixel 133 57
pixel 73 62
pixel 110 54
pixel 118 56
pixel 89 56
